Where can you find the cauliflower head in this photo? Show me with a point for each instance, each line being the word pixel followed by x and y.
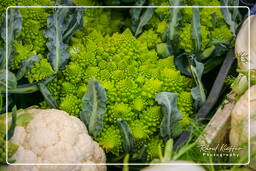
pixel 53 136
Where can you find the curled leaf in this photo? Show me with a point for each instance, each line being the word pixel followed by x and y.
pixel 230 14
pixel 198 92
pixel 196 30
pixel 174 19
pixel 135 14
pixel 128 141
pixel 14 25
pixel 146 16
pixel 11 81
pixel 13 124
pixel 47 96
pixel 169 127
pixel 60 27
pixel 94 107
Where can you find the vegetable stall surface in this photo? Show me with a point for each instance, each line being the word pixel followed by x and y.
pixel 53 136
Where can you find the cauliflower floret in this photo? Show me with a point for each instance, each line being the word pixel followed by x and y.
pixel 53 136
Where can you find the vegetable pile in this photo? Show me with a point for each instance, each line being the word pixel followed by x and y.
pixel 133 76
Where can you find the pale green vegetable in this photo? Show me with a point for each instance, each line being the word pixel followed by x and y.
pixel 245 49
pixel 239 124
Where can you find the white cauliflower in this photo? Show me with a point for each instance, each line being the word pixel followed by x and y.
pixel 53 136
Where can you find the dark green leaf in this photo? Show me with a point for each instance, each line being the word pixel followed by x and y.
pixel 47 96
pixel 13 29
pixel 74 22
pixel 126 134
pixel 226 12
pixel 142 153
pixel 26 65
pixel 169 127
pixel 214 19
pixel 11 82
pixel 13 124
pixel 198 92
pixel 94 107
pixel 60 27
pixel 146 16
pixel 23 89
pixel 135 14
pixel 182 64
pixel 1 102
pixel 174 19
pixel 196 30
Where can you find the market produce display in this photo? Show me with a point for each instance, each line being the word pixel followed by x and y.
pixel 43 139
pixel 112 85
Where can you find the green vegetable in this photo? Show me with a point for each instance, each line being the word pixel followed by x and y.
pixel 13 29
pixel 12 148
pixel 169 127
pixel 94 106
pixel 60 26
pixel 131 75
pixel 30 41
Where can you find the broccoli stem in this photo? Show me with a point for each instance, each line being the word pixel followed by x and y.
pixel 23 90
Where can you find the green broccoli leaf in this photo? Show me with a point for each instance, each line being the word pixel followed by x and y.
pixel 26 65
pixel 174 19
pixel 135 14
pixel 14 25
pixel 60 27
pixel 198 92
pixel 75 22
pixel 230 17
pixel 169 127
pixel 196 30
pixel 126 134
pixel 94 107
pixel 11 82
pixel 13 124
pixel 146 16
pixel 1 102
pixel 58 51
pixel 47 95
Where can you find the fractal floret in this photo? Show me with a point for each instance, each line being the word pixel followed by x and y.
pixel 213 26
pixel 185 38
pixel 132 74
pixel 31 40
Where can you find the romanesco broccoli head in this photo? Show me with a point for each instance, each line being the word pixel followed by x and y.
pixel 110 139
pixel 41 70
pixel 132 74
pixel 222 33
pixel 185 38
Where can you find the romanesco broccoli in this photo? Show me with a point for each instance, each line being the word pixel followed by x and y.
pixel 31 41
pixel 132 74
